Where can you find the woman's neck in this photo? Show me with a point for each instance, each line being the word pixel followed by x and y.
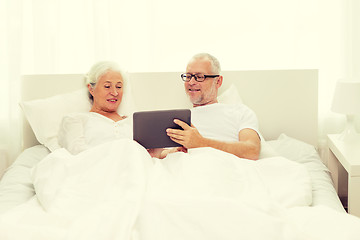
pixel 112 115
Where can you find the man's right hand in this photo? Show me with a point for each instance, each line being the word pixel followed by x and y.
pixel 189 137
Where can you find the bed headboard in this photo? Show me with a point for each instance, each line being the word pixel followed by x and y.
pixel 285 101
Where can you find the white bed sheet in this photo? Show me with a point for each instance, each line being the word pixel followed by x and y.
pixel 323 189
pixel 16 186
pixel 211 217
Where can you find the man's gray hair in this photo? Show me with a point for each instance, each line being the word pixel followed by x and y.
pixel 98 70
pixel 215 64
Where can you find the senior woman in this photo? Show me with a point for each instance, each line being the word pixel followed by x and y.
pixel 106 84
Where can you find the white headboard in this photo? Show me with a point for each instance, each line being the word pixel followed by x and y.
pixel 285 101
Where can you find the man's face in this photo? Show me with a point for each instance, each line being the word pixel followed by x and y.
pixel 202 93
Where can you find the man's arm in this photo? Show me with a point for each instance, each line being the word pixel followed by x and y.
pixel 247 147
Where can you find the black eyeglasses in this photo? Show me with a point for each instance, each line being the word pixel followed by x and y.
pixel 199 77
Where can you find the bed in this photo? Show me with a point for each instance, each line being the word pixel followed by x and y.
pixel 285 102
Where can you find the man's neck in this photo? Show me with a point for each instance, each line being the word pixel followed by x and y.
pixel 204 104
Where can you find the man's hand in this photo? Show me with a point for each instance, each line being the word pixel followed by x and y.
pixel 188 138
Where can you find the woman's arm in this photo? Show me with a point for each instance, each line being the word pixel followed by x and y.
pixel 71 134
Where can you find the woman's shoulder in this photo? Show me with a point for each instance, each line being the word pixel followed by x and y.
pixel 76 116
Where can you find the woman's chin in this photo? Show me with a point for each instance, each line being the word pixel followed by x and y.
pixel 113 108
pixel 109 110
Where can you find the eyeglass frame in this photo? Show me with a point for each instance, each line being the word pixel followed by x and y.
pixel 196 77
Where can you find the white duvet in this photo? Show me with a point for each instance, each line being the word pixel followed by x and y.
pixel 116 191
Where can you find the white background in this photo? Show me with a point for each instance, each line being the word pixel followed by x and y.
pixel 68 36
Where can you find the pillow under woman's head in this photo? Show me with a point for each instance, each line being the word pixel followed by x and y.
pixel 45 115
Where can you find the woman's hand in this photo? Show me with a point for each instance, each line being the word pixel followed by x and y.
pixel 162 153
pixel 155 152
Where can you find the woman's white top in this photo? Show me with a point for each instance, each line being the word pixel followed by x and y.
pixel 81 131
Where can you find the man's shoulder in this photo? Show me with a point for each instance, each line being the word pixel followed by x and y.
pixel 219 106
pixel 222 108
pixel 233 106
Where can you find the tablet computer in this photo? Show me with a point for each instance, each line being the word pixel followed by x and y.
pixel 149 127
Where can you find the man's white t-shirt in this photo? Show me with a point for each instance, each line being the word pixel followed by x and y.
pixel 223 122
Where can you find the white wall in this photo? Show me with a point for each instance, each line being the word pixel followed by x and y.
pixel 355 36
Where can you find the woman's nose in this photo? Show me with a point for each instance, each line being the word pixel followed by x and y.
pixel 114 91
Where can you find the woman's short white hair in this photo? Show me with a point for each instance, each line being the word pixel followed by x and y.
pixel 98 70
pixel 215 64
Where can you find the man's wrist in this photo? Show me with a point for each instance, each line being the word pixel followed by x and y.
pixel 204 142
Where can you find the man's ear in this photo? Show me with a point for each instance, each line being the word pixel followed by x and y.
pixel 219 81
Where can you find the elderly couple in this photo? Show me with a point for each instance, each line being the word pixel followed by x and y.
pixel 229 128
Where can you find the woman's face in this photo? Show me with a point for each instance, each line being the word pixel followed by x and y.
pixel 107 92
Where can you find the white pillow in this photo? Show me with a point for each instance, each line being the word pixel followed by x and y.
pixel 267 150
pixel 297 151
pixel 230 96
pixel 45 115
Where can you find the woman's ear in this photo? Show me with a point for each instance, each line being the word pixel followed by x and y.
pixel 91 90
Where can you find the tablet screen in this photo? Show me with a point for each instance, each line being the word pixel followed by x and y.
pixel 149 127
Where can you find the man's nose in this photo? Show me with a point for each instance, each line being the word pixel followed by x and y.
pixel 192 80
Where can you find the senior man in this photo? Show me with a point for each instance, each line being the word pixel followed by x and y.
pixel 230 128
